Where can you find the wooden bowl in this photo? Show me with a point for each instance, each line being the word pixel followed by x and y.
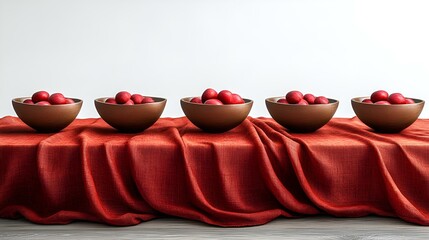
pixel 216 118
pixel 301 118
pixel 130 118
pixel 46 118
pixel 387 118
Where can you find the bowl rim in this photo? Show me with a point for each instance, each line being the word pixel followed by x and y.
pixel 358 100
pixel 272 100
pixel 187 100
pixel 19 100
pixel 100 101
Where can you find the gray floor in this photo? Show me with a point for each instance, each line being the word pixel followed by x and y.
pixel 320 227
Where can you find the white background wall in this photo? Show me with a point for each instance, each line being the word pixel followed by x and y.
pixel 177 48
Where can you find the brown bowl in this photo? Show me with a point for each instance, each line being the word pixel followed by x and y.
pixel 301 118
pixel 130 118
pixel 216 118
pixel 49 118
pixel 387 118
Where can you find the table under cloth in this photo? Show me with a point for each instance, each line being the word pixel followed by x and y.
pixel 248 176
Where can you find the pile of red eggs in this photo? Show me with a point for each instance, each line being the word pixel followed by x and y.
pixel 296 97
pixel 383 97
pixel 211 96
pixel 126 98
pixel 44 98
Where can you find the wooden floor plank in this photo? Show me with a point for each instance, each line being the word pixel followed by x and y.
pixel 320 227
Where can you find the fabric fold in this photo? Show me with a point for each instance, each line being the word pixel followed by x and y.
pixel 275 150
pixel 357 170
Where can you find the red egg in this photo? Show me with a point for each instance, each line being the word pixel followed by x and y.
pixel 28 101
pixel 137 98
pixel 282 100
pixel 196 100
pixel 302 102
pixel 40 96
pixel 69 101
pixel 382 103
pixel 213 102
pixel 225 97
pixel 43 103
pixel 122 97
pixel 367 100
pixel 148 100
pixel 309 98
pixel 321 100
pixel 396 98
pixel 129 102
pixel 409 101
pixel 236 99
pixel 111 101
pixel 294 97
pixel 379 95
pixel 209 93
pixel 57 98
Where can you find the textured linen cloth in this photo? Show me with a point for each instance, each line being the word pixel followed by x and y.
pixel 248 176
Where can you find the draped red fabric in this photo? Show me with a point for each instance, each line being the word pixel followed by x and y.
pixel 248 176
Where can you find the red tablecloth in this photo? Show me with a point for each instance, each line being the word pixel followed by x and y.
pixel 247 176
